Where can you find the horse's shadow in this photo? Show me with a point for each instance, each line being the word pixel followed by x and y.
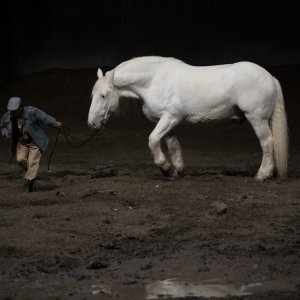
pixel 216 172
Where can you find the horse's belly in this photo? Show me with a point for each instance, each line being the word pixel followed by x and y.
pixel 212 114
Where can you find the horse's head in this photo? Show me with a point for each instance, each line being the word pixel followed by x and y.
pixel 105 99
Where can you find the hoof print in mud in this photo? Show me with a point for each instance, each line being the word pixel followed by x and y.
pixel 97 265
pixel 105 172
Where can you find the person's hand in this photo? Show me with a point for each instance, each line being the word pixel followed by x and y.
pixel 7 136
pixel 58 125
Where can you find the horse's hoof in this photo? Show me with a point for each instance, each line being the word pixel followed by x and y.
pixel 180 173
pixel 170 172
pixel 261 177
pixel 258 178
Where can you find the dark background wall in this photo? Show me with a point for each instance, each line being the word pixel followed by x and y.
pixel 40 35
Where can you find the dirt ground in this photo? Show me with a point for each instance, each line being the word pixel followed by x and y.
pixel 105 224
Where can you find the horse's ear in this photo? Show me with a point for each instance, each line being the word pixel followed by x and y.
pixel 110 75
pixel 99 73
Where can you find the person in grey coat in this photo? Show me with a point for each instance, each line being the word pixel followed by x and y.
pixel 20 125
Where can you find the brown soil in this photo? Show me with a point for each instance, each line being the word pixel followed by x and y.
pixel 83 236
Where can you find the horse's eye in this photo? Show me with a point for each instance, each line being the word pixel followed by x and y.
pixel 102 96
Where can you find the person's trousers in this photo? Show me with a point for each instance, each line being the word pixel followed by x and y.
pixel 28 157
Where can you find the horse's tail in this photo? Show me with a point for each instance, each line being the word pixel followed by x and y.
pixel 279 129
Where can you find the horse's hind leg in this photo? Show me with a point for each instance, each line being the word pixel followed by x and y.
pixel 164 125
pixel 175 153
pixel 263 132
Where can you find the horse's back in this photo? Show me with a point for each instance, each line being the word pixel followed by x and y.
pixel 234 81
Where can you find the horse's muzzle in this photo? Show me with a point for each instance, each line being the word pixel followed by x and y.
pixel 92 125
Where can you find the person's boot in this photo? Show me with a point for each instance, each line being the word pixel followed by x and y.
pixel 30 185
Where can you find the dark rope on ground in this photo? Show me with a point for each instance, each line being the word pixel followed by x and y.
pixel 65 132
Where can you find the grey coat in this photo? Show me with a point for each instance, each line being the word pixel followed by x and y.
pixel 32 116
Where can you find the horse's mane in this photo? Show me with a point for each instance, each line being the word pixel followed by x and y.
pixel 142 60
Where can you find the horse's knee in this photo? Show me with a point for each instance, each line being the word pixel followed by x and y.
pixel 173 143
pixel 158 156
pixel 175 152
pixel 153 143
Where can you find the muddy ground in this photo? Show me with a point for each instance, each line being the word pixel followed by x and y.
pixel 214 232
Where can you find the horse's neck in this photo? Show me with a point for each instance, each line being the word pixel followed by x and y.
pixel 136 73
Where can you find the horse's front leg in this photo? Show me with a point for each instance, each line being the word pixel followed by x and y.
pixel 175 153
pixel 164 125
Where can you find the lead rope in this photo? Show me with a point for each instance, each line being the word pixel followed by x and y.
pixel 65 132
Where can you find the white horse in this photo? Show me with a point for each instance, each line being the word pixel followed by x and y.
pixel 173 91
